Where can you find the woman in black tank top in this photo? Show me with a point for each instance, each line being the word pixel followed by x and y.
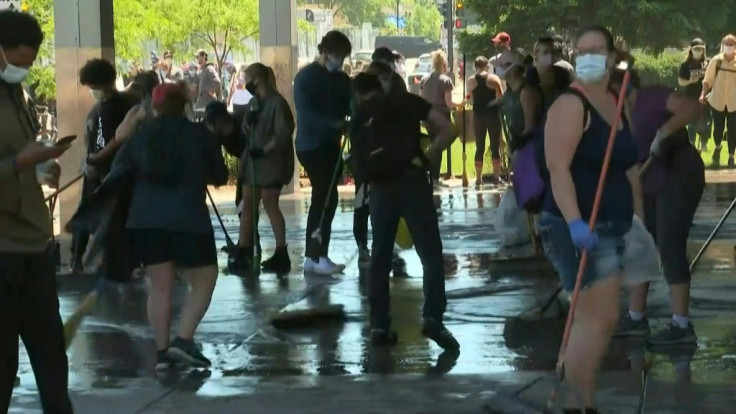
pixel 485 88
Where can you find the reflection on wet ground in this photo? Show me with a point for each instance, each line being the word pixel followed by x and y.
pixel 115 347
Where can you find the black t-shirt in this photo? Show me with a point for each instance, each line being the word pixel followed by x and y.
pixel 691 68
pixel 104 120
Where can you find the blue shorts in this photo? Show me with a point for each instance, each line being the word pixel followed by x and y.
pixel 604 261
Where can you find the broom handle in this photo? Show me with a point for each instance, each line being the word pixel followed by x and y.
pixel 593 217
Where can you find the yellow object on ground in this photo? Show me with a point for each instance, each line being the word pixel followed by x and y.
pixel 403 237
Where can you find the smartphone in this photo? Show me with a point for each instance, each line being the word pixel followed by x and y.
pixel 66 140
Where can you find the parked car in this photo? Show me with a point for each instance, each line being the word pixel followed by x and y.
pixel 409 46
pixel 422 68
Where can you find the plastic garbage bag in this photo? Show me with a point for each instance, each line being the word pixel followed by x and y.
pixel 510 221
pixel 641 260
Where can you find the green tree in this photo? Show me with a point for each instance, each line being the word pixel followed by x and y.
pixel 219 26
pixel 651 24
pixel 424 20
pixel 43 73
pixel 356 12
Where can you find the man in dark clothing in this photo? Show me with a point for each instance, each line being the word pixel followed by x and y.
pixel 398 173
pixel 109 111
pixel 322 100
pixel 361 213
pixel 28 299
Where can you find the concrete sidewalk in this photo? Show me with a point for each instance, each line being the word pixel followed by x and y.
pixel 398 394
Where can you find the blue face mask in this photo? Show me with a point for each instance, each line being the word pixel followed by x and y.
pixel 591 67
pixel 12 74
pixel 333 64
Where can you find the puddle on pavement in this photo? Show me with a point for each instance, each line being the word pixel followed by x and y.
pixel 115 344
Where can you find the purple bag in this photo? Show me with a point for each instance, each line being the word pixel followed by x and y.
pixel 528 183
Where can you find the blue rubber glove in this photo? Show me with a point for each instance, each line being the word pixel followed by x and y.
pixel 581 235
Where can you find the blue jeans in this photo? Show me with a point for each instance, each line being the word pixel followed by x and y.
pixel 604 261
pixel 410 197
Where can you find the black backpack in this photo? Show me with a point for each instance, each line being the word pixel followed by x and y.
pixel 391 136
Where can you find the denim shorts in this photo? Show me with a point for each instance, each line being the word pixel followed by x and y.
pixel 606 260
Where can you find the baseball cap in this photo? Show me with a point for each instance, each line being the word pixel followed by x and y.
pixel 163 90
pixel 502 37
pixel 697 42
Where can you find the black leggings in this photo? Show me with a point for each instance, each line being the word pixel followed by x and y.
pixel 487 123
pixel 725 120
pixel 319 165
pixel 668 215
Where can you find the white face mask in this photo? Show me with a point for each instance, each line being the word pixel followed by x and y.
pixel 728 50
pixel 591 67
pixel 98 95
pixel 12 74
pixel 697 54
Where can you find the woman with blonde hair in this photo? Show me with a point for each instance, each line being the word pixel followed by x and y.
pixel 719 92
pixel 437 89
pixel 267 166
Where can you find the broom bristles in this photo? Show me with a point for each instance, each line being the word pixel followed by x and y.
pixel 71 326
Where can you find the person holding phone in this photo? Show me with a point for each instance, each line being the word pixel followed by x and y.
pixel 28 299
pixel 99 76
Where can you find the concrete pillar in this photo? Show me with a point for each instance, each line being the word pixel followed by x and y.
pixel 280 50
pixel 83 30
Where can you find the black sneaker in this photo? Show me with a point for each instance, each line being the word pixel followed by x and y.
pixel 240 261
pixel 439 334
pixel 384 337
pixel 164 361
pixel 674 335
pixel 628 327
pixel 364 258
pixel 279 263
pixel 398 266
pixel 189 353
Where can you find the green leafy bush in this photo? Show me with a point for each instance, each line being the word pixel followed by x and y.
pixel 658 69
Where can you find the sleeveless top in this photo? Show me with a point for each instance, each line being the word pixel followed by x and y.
pixel 617 202
pixel 482 95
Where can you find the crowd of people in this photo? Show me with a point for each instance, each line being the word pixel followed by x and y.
pixel 144 139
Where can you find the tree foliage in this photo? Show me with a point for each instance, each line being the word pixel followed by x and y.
pixel 424 20
pixel 43 74
pixel 356 12
pixel 219 26
pixel 648 24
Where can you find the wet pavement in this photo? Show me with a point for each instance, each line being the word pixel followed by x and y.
pixel 332 367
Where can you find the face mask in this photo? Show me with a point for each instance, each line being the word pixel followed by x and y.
pixel 697 54
pixel 544 60
pixel 726 49
pixel 591 67
pixel 12 74
pixel 501 72
pixel 98 95
pixel 333 64
pixel 192 72
pixel 250 87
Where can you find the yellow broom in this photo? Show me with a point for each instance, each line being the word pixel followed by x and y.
pixel 71 326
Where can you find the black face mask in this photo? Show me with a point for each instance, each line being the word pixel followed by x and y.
pixel 250 87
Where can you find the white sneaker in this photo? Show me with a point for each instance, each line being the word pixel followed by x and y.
pixel 340 267
pixel 323 267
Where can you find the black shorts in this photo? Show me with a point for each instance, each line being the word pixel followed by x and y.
pixel 185 250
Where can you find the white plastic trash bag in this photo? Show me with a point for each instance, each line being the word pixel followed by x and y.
pixel 641 260
pixel 511 222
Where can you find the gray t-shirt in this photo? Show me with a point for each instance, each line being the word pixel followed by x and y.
pixel 433 88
